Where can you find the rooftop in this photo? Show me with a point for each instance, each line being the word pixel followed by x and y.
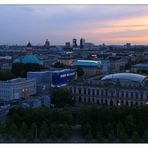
pixel 141 65
pixel 125 76
pixel 90 63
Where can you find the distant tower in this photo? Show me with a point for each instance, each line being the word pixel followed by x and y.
pixel 29 48
pixel 47 44
pixel 74 43
pixel 82 43
pixel 67 44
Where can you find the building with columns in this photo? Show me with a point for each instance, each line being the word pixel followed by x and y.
pixel 117 89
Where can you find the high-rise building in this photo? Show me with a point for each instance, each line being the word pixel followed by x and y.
pixel 82 43
pixel 74 42
pixel 47 43
pixel 67 44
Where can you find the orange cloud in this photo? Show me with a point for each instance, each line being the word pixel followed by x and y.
pixel 137 39
pixel 115 30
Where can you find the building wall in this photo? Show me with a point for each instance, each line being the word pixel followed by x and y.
pixel 90 71
pixel 108 96
pixel 136 69
pixel 66 61
pixel 117 65
pixel 17 90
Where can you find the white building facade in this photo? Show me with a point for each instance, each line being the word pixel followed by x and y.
pixel 17 89
pixel 105 93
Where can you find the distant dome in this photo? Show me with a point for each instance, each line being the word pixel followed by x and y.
pixel 31 59
pixel 17 61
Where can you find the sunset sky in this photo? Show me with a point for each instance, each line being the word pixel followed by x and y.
pixel 109 24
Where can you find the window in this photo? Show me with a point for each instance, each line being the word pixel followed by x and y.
pixel 112 94
pixel 98 102
pixel 79 90
pixel 88 91
pixel 85 91
pixel 136 95
pixel 117 92
pixel 127 95
pixel 122 94
pixel 106 92
pixel 101 101
pixel 93 100
pixel 74 89
pixel 80 99
pixel 131 95
pixel 98 92
pixel 131 103
pixel 101 92
pixel 106 102
pixel 141 95
pixel 111 103
pixel 93 92
pixel 84 99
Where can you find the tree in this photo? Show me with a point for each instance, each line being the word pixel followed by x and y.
pixel 24 128
pixel 6 75
pixel 111 136
pixel 88 135
pixel 145 136
pixel 20 69
pixel 122 135
pixel 55 131
pixel 61 97
pixel 86 131
pixel 3 130
pixel 59 65
pixel 66 117
pixel 43 131
pixel 99 137
pixel 32 132
pixel 130 124
pixel 135 136
pixel 66 132
pixel 80 71
pixel 30 135
pixel 13 130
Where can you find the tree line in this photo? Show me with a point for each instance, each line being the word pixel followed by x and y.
pixel 99 123
pixel 30 124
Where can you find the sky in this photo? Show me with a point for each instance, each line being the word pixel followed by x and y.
pixel 109 24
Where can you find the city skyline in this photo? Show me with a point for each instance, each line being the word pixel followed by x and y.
pixel 109 24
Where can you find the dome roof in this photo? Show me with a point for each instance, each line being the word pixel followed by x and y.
pixel 31 59
pixel 29 44
pixel 17 61
pixel 125 76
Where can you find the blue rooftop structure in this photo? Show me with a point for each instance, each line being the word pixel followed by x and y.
pixel 87 63
pixel 28 59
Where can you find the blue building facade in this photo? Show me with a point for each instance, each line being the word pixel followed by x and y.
pixel 52 78
pixel 62 77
